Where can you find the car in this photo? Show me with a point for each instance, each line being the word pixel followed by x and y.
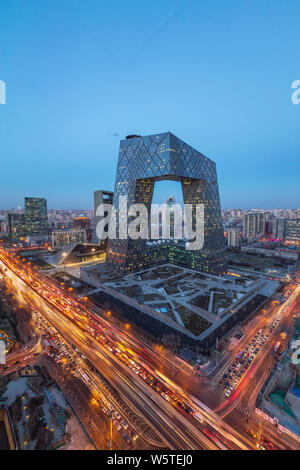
pixel 251 433
pixel 117 425
pixel 266 445
pixel 127 438
pixel 165 396
pixel 124 424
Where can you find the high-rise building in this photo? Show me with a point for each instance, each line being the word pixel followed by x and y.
pixel 16 225
pixel 279 228
pixel 269 228
pixel 144 160
pixel 254 224
pixel 233 238
pixel 84 223
pixel 100 197
pixel 293 229
pixel 36 218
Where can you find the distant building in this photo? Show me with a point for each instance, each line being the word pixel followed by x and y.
pixel 36 218
pixel 293 229
pixel 270 253
pixel 100 197
pixel 85 224
pixel 61 238
pixel 16 225
pixel 279 228
pixel 174 216
pixel 233 239
pixel 254 224
pixel 3 227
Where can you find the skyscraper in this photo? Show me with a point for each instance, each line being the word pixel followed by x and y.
pixel 144 160
pixel 233 238
pixel 36 218
pixel 279 228
pixel 254 224
pixel 16 225
pixel 100 197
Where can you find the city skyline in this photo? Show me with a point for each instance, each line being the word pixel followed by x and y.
pixel 150 228
pixel 61 124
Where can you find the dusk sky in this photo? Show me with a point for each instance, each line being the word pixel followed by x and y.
pixel 80 75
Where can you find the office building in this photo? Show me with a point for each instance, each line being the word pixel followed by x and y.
pixel 36 219
pixel 16 225
pixel 61 238
pixel 142 162
pixel 84 223
pixel 100 197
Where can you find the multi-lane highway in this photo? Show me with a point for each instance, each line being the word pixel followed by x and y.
pixel 178 419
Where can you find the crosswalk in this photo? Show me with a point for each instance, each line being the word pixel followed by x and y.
pixel 243 408
pixel 203 380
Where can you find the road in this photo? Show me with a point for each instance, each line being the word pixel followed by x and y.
pixel 79 325
pixel 159 413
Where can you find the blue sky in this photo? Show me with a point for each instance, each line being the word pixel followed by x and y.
pixel 80 75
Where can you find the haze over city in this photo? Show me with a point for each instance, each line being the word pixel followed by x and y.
pixel 217 74
pixel 149 230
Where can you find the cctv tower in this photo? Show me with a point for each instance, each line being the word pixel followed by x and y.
pixel 144 160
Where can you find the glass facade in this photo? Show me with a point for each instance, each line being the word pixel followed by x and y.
pixel 16 225
pixel 36 217
pixel 144 160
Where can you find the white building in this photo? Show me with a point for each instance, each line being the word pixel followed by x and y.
pixel 254 224
pixel 233 238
